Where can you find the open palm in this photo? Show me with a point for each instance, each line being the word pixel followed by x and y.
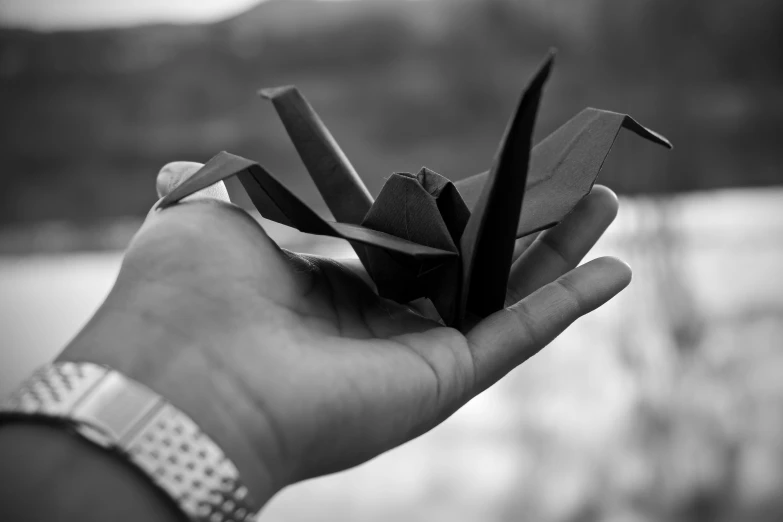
pixel 330 374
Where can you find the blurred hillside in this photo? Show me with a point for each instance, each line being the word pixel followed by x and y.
pixel 89 117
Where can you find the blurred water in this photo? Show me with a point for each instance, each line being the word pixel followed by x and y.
pixel 667 404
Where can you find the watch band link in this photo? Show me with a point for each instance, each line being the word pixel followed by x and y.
pixel 118 413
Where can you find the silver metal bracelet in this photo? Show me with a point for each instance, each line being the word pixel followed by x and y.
pixel 118 413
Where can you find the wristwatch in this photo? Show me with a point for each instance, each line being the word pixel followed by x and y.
pixel 128 418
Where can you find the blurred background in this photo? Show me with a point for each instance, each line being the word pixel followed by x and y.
pixel 667 404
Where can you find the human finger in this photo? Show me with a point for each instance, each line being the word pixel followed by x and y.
pixel 173 174
pixel 522 244
pixel 560 249
pixel 507 338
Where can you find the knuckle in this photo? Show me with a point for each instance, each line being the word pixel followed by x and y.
pixel 555 248
pixel 527 330
pixel 569 296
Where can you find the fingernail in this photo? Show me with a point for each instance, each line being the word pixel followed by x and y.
pixel 174 173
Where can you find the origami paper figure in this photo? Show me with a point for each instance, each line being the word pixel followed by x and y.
pixel 425 236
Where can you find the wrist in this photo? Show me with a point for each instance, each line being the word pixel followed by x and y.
pixel 48 473
pixel 138 340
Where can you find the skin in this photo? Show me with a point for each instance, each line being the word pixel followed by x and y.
pixel 291 362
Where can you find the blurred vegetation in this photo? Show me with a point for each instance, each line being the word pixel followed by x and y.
pixel 89 117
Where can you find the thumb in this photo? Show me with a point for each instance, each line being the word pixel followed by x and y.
pixel 174 173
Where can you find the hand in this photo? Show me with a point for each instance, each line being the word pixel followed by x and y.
pixel 292 362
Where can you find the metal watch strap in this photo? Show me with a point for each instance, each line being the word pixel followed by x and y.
pixel 118 413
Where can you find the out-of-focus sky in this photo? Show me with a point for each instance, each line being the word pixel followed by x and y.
pixel 61 14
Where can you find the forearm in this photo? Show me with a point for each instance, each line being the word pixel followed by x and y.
pixel 47 472
pixel 173 366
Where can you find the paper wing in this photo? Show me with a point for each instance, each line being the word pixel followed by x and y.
pixel 487 244
pixel 563 167
pixel 337 181
pixel 277 203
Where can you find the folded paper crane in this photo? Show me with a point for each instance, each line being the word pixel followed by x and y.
pixel 425 236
